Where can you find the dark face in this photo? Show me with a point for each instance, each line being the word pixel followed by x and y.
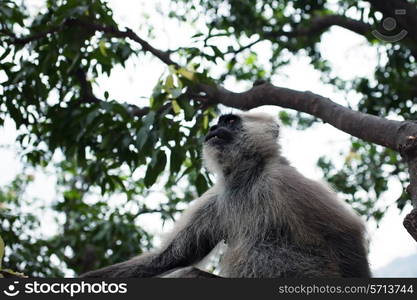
pixel 225 131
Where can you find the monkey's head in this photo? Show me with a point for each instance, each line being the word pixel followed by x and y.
pixel 237 138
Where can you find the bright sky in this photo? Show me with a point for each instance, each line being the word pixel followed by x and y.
pixel 350 57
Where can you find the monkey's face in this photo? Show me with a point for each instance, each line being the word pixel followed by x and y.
pixel 236 138
pixel 225 132
pixel 221 143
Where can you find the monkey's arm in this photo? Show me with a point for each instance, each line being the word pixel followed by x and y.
pixel 193 238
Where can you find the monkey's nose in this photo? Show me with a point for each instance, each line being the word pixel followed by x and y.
pixel 213 127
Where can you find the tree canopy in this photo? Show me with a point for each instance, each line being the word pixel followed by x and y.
pixel 100 147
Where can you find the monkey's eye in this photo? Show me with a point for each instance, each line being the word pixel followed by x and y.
pixel 229 119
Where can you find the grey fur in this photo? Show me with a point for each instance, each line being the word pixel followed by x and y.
pixel 275 222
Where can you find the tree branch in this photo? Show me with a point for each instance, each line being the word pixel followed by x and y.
pixel 87 95
pixel 243 48
pixel 127 33
pixel 27 39
pixel 153 211
pixel 113 31
pixel 320 24
pixel 410 223
pixel 370 128
pixel 409 152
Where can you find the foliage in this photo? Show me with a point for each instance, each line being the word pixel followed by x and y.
pixel 47 92
pixel 49 63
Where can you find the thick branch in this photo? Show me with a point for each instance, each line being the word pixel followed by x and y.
pixel 388 133
pixel 320 24
pixel 341 21
pixel 409 151
pixel 410 223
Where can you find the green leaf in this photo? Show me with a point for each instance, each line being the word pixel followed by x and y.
pixel 251 59
pixel 5 53
pixel 197 35
pixel 176 107
pixel 186 73
pixel 201 184
pixel 285 117
pixel 102 47
pixel 205 121
pixel 144 131
pixel 176 159
pixel 1 251
pixel 156 166
pixel 217 52
pixel 169 83
pixel 189 111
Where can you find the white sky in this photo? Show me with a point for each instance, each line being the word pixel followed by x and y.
pixel 350 57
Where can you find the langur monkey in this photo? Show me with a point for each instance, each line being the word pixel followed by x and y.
pixel 275 222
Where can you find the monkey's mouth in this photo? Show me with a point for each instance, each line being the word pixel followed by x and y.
pixel 218 136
